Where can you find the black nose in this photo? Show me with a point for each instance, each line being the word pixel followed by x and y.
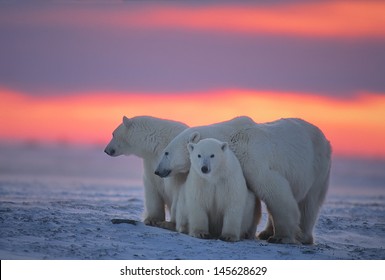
pixel 205 169
pixel 162 173
pixel 110 152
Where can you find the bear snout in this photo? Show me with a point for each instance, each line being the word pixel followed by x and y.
pixel 162 173
pixel 205 169
pixel 110 152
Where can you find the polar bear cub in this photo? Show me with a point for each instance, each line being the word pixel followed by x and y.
pixel 217 201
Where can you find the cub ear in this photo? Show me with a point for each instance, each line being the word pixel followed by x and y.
pixel 126 121
pixel 224 146
pixel 190 147
pixel 194 137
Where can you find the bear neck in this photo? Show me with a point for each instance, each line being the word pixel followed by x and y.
pixel 157 137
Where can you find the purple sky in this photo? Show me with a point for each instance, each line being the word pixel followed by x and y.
pixel 40 58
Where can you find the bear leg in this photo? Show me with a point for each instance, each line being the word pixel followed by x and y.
pixel 233 219
pixel 278 197
pixel 268 231
pixel 311 205
pixel 199 224
pixel 154 205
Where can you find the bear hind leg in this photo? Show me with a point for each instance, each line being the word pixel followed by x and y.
pixel 268 231
pixel 309 208
pixel 283 207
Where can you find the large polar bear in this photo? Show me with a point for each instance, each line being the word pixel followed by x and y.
pixel 146 137
pixel 286 163
pixel 215 201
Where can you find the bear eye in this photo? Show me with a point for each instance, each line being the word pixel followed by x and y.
pixel 199 156
pixel 212 156
pixel 166 153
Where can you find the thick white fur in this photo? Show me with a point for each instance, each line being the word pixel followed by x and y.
pixel 181 164
pixel 286 164
pixel 146 137
pixel 215 201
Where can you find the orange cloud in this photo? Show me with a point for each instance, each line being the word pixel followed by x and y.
pixel 354 127
pixel 331 18
pixel 321 19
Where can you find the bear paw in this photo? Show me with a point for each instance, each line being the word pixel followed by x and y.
pixel 167 225
pixel 265 235
pixel 229 238
pixel 248 236
pixel 309 240
pixel 182 229
pixel 282 240
pixel 202 235
pixel 152 222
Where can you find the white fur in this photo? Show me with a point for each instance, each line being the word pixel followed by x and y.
pixel 146 137
pixel 216 201
pixel 286 163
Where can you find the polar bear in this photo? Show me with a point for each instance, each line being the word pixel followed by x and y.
pixel 286 163
pixel 146 137
pixel 215 201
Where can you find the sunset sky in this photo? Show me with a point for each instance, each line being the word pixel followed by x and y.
pixel 70 71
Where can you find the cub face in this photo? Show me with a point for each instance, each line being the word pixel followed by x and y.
pixel 207 156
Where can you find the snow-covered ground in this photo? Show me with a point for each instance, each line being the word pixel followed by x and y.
pixel 58 203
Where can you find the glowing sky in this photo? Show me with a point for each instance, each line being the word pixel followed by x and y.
pixel 355 127
pixel 71 71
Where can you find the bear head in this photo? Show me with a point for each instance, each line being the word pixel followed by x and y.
pixel 207 156
pixel 120 142
pixel 175 157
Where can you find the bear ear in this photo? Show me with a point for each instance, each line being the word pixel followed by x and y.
pixel 224 146
pixel 126 121
pixel 190 147
pixel 194 137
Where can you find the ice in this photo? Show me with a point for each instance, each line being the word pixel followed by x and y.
pixel 58 202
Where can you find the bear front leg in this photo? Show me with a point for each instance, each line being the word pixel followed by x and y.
pixel 232 223
pixel 173 209
pixel 199 224
pixel 154 205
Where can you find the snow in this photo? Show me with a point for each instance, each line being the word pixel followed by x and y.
pixel 57 202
